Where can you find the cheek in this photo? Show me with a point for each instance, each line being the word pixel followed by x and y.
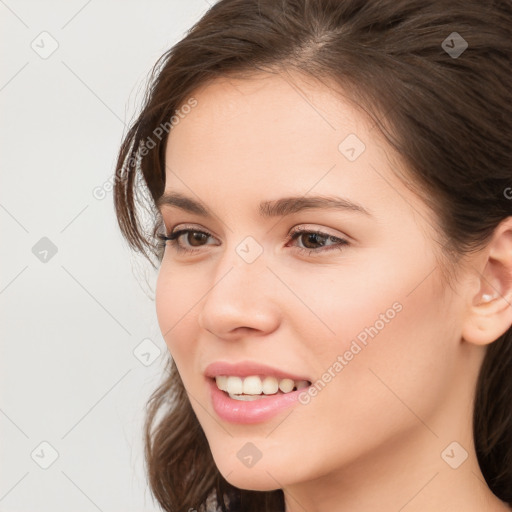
pixel 390 356
pixel 394 343
pixel 175 297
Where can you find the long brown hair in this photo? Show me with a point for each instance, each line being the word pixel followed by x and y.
pixel 447 110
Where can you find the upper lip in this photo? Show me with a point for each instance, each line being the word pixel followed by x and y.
pixel 247 368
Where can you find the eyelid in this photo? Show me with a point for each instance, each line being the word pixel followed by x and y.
pixel 341 242
pixel 312 228
pixel 192 227
pixel 301 227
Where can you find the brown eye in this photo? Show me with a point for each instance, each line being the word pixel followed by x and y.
pixel 197 238
pixel 193 237
pixel 315 242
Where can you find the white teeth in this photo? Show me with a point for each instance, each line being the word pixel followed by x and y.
pixel 251 387
pixel 286 385
pixel 222 382
pixel 301 384
pixel 234 385
pixel 270 385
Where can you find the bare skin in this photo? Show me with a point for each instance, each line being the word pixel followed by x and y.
pixel 379 435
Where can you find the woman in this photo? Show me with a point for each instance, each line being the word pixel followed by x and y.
pixel 330 183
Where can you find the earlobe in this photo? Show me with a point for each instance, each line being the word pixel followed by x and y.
pixel 488 319
pixel 490 309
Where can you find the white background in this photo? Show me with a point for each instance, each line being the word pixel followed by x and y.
pixel 69 325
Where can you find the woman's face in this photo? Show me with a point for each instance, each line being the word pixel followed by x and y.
pixel 359 311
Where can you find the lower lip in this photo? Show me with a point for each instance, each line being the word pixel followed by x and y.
pixel 254 411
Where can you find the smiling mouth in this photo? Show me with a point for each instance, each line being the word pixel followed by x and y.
pixel 256 387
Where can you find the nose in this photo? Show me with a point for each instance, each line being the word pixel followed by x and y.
pixel 242 299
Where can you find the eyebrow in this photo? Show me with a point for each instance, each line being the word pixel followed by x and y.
pixel 267 209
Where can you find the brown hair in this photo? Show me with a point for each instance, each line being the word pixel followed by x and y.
pixel 449 117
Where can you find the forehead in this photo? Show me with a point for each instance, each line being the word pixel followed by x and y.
pixel 268 111
pixel 271 136
pixel 265 125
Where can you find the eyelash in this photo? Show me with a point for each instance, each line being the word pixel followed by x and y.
pixel 174 239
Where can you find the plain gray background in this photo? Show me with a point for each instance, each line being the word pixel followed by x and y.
pixel 81 350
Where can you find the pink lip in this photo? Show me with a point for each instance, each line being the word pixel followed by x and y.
pixel 255 411
pixel 247 368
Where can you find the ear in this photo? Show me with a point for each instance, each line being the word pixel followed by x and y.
pixel 489 312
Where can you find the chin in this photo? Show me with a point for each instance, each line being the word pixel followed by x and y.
pixel 253 480
pixel 262 475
